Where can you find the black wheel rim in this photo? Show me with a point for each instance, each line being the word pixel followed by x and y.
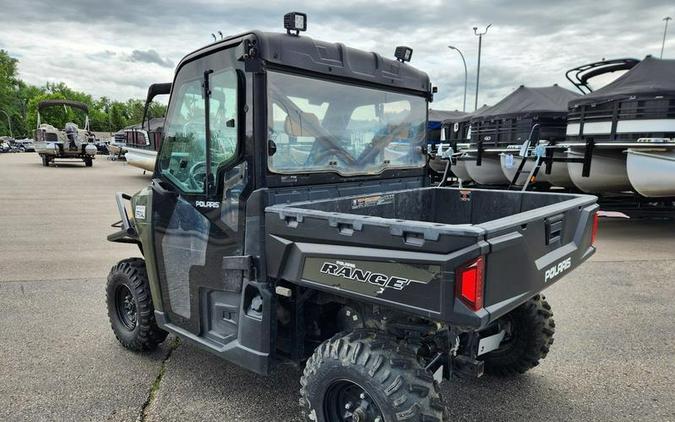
pixel 346 401
pixel 126 307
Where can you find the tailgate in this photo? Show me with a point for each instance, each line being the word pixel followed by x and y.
pixel 532 250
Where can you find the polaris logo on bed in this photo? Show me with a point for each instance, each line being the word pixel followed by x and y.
pixel 556 270
pixel 349 271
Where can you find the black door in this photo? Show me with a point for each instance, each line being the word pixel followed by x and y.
pixel 197 213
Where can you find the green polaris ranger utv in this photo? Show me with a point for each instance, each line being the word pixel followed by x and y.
pixel 291 218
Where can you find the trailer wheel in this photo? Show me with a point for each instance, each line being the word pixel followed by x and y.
pixel 130 308
pixel 368 376
pixel 45 160
pixel 530 328
pixel 88 162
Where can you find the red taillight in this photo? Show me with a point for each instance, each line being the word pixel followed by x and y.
pixel 469 280
pixel 594 232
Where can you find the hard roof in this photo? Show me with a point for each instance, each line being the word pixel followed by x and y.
pixel 529 101
pixel 331 59
pixel 651 76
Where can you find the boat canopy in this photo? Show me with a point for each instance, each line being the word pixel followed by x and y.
pixel 437 117
pixel 442 115
pixel 526 101
pixel 650 77
pixel 460 116
pixel 69 103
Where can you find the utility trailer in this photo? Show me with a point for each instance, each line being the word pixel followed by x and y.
pixel 291 218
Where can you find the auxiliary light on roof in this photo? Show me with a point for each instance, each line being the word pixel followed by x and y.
pixel 295 21
pixel 403 53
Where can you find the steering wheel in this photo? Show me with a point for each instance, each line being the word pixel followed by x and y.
pixel 381 141
pixel 322 150
pixel 197 175
pixel 316 157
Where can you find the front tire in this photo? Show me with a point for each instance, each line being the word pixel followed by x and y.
pixel 88 162
pixel 368 376
pixel 530 328
pixel 45 160
pixel 130 308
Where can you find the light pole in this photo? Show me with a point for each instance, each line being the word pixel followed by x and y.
pixel 480 42
pixel 9 122
pixel 466 75
pixel 663 43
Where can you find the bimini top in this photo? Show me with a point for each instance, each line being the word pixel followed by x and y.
pixel 529 101
pixel 332 59
pixel 69 103
pixel 649 77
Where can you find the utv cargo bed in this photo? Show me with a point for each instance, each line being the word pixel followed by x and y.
pixel 406 249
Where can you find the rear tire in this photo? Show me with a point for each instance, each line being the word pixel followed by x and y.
pixel 130 308
pixel 532 328
pixel 371 373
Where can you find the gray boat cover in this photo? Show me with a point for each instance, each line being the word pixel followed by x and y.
pixel 529 101
pixel 442 115
pixel 462 117
pixel 650 77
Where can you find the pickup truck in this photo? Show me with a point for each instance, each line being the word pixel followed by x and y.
pixel 293 217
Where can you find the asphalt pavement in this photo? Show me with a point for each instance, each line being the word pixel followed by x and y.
pixel 613 357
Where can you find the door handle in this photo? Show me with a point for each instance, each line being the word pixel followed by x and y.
pixel 163 188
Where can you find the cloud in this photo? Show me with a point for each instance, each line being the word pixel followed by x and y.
pixel 149 56
pixel 102 46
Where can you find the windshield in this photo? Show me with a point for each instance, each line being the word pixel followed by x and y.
pixel 317 125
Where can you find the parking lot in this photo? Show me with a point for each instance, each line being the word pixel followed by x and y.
pixel 612 358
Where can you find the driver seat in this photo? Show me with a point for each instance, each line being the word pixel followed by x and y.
pixel 302 124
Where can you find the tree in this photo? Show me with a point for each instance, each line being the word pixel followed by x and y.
pixel 8 89
pixel 20 101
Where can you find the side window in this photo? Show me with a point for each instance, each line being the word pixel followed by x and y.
pixel 183 155
pixel 223 117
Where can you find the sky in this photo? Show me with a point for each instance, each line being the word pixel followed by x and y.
pixel 116 48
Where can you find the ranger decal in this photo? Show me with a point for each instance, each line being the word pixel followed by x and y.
pixel 351 272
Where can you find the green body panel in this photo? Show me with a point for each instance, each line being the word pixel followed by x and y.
pixel 144 229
